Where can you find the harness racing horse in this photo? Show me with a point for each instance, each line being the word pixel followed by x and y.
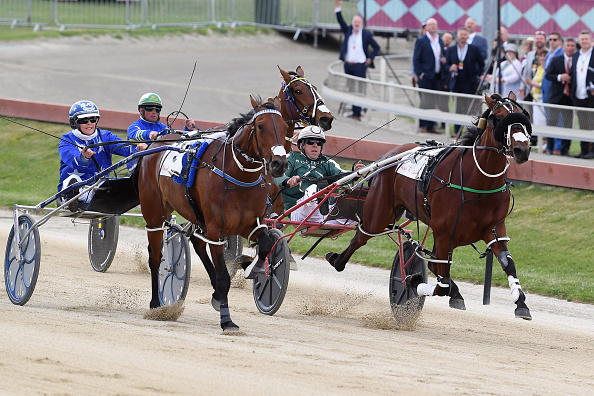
pixel 300 103
pixel 228 196
pixel 466 200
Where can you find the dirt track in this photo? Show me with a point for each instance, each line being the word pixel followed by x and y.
pixel 83 333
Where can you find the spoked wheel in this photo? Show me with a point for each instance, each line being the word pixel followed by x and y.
pixel 272 280
pixel 103 241
pixel 233 247
pixel 174 271
pixel 404 300
pixel 20 277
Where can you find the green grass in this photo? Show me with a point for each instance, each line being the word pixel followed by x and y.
pixel 550 228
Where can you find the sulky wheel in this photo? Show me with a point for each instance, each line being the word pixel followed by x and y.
pixel 103 241
pixel 20 277
pixel 232 249
pixel 272 280
pixel 404 300
pixel 174 271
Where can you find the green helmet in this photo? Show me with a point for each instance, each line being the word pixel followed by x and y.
pixel 150 99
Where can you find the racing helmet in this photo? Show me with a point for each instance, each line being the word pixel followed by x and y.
pixel 310 132
pixel 150 99
pixel 82 109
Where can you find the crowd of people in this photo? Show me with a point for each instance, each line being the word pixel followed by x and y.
pixel 551 70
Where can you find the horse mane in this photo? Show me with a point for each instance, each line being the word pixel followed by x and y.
pixel 237 123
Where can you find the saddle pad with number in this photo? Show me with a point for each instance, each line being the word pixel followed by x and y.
pixel 413 166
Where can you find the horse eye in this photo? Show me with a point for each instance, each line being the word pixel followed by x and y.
pixel 298 92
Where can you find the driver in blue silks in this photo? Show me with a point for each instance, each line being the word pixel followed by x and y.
pixel 77 164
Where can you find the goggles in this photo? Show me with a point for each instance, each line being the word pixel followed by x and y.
pixel 311 142
pixel 152 108
pixel 86 120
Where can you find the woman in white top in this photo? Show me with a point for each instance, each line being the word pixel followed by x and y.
pixel 511 70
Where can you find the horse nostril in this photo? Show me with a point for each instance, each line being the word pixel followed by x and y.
pixel 326 122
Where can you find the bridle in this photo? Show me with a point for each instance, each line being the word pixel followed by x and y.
pixel 278 150
pixel 293 103
pixel 502 128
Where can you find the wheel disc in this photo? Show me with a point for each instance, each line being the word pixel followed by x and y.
pixel 21 278
pixel 174 270
pixel 405 302
pixel 272 281
pixel 103 241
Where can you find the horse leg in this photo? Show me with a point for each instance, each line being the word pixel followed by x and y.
pixel 509 267
pixel 445 285
pixel 200 249
pixel 338 261
pixel 154 250
pixel 222 286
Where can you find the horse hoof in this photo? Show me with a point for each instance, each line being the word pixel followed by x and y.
pixel 154 305
pixel 523 313
pixel 229 327
pixel 216 304
pixel 457 303
pixel 331 258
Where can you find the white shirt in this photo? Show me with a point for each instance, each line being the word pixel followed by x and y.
pixel 436 50
pixel 462 52
pixel 355 53
pixel 581 71
pixel 471 38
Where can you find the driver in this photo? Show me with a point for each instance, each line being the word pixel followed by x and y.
pixel 76 162
pixel 149 125
pixel 308 162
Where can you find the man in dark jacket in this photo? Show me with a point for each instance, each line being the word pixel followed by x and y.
pixel 355 49
pixel 582 88
pixel 465 65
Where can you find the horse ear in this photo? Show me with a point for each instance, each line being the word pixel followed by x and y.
pixel 512 96
pixel 254 102
pixel 299 71
pixel 285 75
pixel 277 102
pixel 490 102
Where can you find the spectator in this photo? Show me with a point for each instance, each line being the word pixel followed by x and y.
pixel 465 65
pixel 527 44
pixel 511 70
pixel 559 93
pixel 427 63
pixel 535 83
pixel 531 64
pixel 556 49
pixel 498 52
pixel 413 76
pixel 355 49
pixel 475 39
pixel 582 88
pixel 447 38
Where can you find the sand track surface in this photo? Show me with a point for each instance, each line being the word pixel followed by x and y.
pixel 83 332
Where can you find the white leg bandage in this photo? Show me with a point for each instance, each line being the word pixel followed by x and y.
pixel 425 289
pixel 514 285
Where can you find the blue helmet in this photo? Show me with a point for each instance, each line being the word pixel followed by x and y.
pixel 82 109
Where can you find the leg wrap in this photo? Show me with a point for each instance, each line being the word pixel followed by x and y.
pixel 425 289
pixel 225 314
pixel 507 263
pixel 516 289
pixel 443 286
pixel 265 244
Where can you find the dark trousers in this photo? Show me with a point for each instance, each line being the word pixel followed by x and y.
pixel 357 70
pixel 586 120
pixel 566 117
pixel 429 101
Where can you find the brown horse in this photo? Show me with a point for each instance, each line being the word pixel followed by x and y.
pixel 466 198
pixel 228 195
pixel 300 103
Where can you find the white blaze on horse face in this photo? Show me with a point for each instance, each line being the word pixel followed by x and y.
pixel 279 151
pixel 324 109
pixel 520 137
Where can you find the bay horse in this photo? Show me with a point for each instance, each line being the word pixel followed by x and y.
pixel 466 200
pixel 228 196
pixel 300 103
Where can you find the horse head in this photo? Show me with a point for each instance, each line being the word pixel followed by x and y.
pixel 267 128
pixel 511 125
pixel 303 103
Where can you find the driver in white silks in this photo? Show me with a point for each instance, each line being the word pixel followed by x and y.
pixel 309 162
pixel 77 162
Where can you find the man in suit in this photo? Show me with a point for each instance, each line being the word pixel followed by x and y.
pixel 478 41
pixel 540 43
pixel 465 65
pixel 556 49
pixel 427 64
pixel 582 88
pixel 559 93
pixel 355 49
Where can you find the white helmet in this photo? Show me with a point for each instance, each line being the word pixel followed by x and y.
pixel 312 132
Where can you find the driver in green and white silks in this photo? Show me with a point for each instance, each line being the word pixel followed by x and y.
pixel 308 162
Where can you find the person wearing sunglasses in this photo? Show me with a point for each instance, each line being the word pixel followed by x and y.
pixel 77 162
pixel 308 162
